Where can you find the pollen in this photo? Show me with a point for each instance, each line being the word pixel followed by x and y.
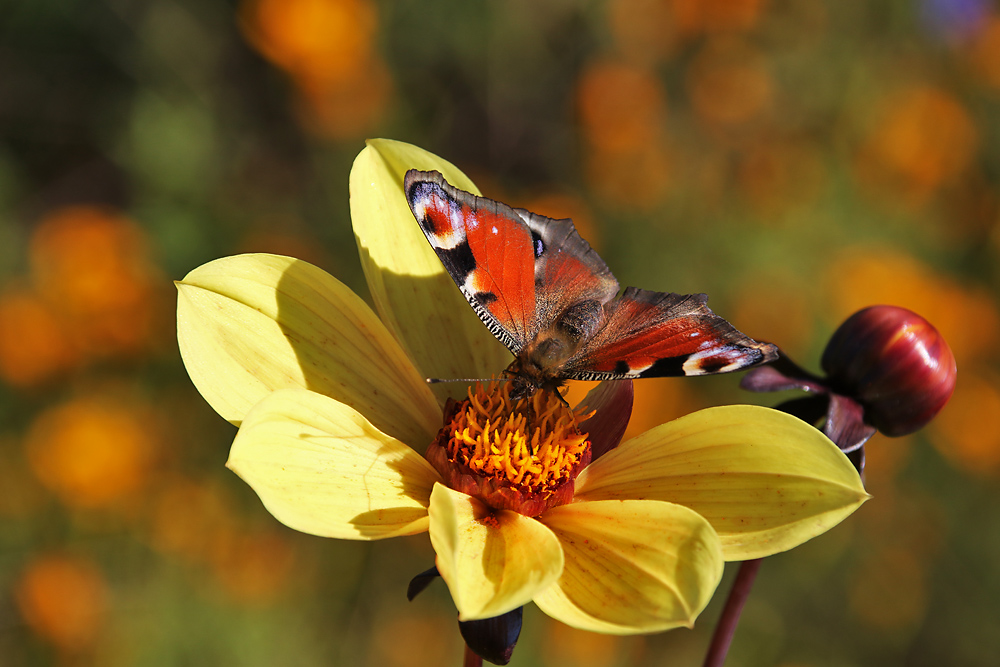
pixel 520 454
pixel 492 436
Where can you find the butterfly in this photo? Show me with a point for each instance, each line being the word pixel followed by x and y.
pixel 542 291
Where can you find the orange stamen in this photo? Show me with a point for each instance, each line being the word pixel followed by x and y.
pixel 513 454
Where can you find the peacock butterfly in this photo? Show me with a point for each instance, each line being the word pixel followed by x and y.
pixel 546 294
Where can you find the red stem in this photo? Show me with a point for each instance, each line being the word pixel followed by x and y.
pixel 726 628
pixel 471 659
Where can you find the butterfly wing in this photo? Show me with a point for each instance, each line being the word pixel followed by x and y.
pixel 517 270
pixel 523 273
pixel 656 334
pixel 568 272
pixel 486 249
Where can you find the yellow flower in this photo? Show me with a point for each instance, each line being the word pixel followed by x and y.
pixel 334 415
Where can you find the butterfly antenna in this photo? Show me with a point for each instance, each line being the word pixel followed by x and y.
pixel 437 380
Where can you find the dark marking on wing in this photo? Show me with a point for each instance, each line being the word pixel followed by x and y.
pixel 668 367
pixel 459 261
pixel 485 298
pixel 537 243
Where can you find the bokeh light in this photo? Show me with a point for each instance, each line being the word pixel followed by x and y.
pixel 968 434
pixel 34 347
pixel 93 266
pixel 622 114
pixel 729 85
pixel 92 451
pixel 64 600
pixel 326 47
pixel 923 139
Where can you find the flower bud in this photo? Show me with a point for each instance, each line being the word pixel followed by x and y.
pixel 493 639
pixel 895 363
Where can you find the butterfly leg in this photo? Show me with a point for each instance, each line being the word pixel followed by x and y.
pixel 562 399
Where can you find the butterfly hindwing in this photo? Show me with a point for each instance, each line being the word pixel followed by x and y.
pixel 657 334
pixel 486 248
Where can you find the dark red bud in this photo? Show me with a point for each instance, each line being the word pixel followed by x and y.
pixel 493 639
pixel 895 363
pixel 612 402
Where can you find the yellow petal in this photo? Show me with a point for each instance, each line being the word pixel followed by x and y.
pixel 631 566
pixel 322 468
pixel 492 560
pixel 766 481
pixel 250 324
pixel 413 294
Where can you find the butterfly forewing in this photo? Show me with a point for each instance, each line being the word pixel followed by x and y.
pixel 487 250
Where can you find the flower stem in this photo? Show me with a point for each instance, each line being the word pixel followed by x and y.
pixel 726 628
pixel 471 659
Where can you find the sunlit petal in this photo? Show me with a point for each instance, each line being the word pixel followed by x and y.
pixel 322 468
pixel 250 324
pixel 766 481
pixel 631 566
pixel 492 560
pixel 413 294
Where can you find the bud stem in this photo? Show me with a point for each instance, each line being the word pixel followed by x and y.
pixel 726 627
pixel 471 659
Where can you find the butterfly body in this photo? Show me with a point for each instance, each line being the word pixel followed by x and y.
pixel 546 294
pixel 542 362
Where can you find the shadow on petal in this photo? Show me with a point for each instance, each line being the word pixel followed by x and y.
pixel 320 467
pixel 368 524
pixel 345 352
pixel 442 333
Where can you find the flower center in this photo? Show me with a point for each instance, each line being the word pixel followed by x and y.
pixel 519 455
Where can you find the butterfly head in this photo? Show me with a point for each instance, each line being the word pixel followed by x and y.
pixel 527 377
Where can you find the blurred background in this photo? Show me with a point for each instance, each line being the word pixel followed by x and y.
pixel 795 159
